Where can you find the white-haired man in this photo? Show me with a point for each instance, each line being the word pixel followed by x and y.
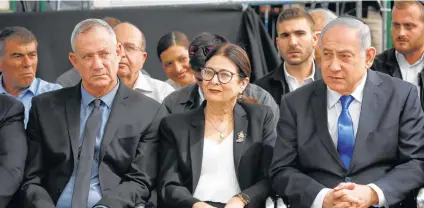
pixel 352 139
pixel 94 144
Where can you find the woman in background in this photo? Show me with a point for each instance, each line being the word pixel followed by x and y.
pixel 172 50
pixel 218 155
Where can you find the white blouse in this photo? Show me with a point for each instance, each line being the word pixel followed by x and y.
pixel 218 181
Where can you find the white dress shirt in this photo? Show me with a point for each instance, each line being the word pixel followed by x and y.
pixel 152 88
pixel 218 180
pixel 292 81
pixel 175 85
pixel 410 71
pixel 334 109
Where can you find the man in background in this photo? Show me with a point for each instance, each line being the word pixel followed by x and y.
pixel 133 57
pixel 18 64
pixel 321 18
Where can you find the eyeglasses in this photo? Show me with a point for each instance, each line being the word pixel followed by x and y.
pixel 224 76
pixel 206 49
pixel 131 48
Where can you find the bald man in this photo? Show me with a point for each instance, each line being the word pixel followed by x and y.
pixel 321 18
pixel 132 61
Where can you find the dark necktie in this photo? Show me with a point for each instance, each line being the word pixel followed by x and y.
pixel 345 139
pixel 86 155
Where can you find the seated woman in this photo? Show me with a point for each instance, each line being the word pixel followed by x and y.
pixel 218 154
pixel 172 50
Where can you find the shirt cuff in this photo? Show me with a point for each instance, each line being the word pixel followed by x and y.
pixel 381 199
pixel 319 199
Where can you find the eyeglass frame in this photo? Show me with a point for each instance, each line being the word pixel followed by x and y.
pixel 138 48
pixel 200 47
pixel 241 75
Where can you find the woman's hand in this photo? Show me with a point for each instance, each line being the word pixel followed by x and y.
pixel 235 202
pixel 202 205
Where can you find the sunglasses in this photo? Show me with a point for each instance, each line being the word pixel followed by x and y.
pixel 206 49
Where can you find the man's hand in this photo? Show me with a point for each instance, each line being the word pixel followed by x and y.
pixel 235 202
pixel 331 202
pixel 362 196
pixel 202 205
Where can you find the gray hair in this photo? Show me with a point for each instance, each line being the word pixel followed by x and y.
pixel 364 33
pixel 24 35
pixel 88 24
pixel 326 14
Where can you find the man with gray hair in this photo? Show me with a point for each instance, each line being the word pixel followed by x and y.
pixel 18 64
pixel 99 137
pixel 352 139
pixel 321 18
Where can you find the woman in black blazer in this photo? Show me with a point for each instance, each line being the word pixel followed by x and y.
pixel 219 154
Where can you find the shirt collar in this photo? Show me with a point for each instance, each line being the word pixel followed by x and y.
pixel 311 76
pixel 32 88
pixel 107 99
pixel 333 97
pixel 402 60
pixel 142 83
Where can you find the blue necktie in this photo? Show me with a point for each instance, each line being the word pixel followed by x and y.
pixel 345 139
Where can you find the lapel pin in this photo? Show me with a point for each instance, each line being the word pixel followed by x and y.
pixel 241 136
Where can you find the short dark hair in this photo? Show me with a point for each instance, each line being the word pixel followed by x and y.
pixel 197 61
pixel 171 39
pixel 236 54
pixel 239 57
pixel 23 34
pixel 296 13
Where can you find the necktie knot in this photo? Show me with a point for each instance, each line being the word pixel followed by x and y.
pixel 96 103
pixel 346 100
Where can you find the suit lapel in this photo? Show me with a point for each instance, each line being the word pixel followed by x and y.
pixel 370 109
pixel 240 130
pixel 196 137
pixel 119 108
pixel 319 108
pixel 72 109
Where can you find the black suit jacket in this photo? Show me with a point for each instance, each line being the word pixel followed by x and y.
pixel 387 63
pixel 181 153
pixel 128 153
pixel 13 148
pixel 276 84
pixel 388 147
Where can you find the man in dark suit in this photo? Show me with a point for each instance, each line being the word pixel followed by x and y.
pixel 354 138
pixel 406 59
pixel 296 41
pixel 13 148
pixel 94 144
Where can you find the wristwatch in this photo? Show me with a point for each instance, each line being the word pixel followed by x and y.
pixel 244 198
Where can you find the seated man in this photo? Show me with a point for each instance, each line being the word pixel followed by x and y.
pixel 94 144
pixel 71 77
pixel 13 148
pixel 353 139
pixel 133 57
pixel 18 64
pixel 190 97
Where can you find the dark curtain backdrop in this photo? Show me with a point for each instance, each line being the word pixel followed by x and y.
pixel 53 31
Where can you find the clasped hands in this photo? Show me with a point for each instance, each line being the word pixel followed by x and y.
pixel 350 195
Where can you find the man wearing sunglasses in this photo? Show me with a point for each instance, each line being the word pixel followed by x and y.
pixel 190 97
pixel 296 41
